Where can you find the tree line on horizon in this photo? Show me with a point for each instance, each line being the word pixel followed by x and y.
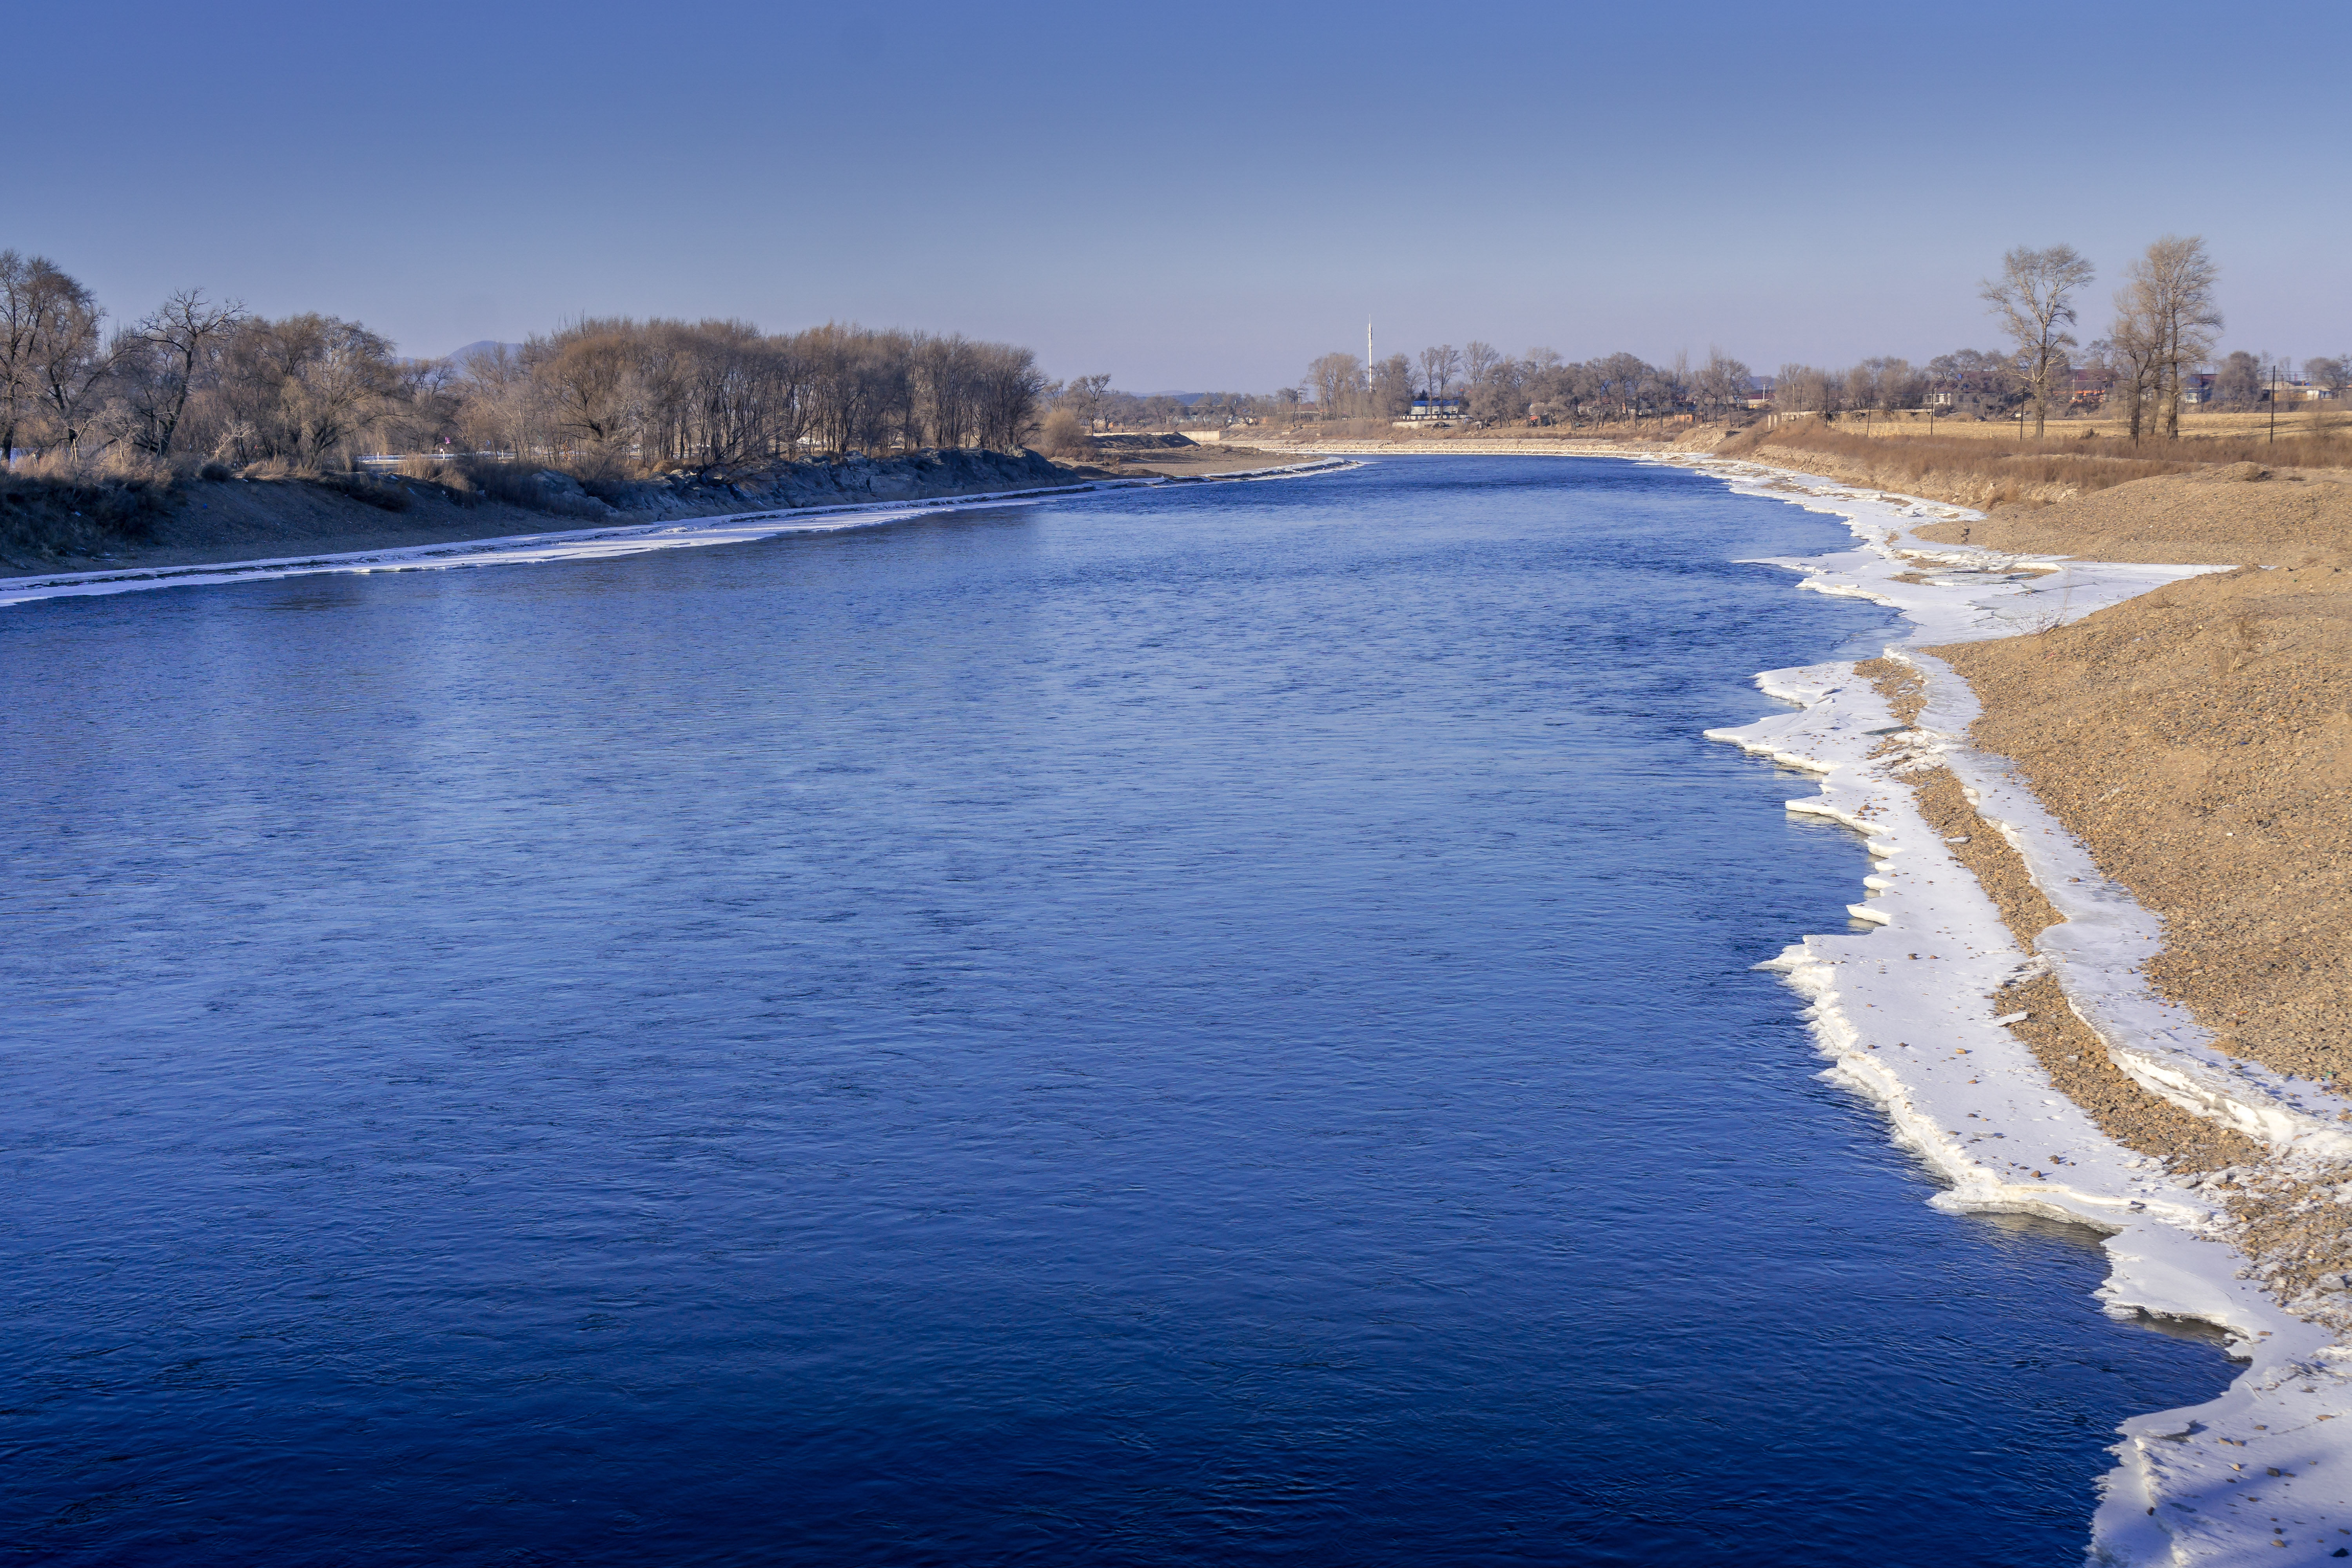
pixel 201 381
pixel 2164 329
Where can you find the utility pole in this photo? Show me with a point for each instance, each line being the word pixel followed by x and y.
pixel 2275 391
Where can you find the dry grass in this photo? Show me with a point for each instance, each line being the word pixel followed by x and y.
pixel 1985 468
pixel 2295 421
pixel 1065 434
pixel 45 514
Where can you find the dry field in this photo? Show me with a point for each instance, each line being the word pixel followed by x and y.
pixel 2295 421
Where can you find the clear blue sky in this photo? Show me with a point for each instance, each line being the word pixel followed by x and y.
pixel 1187 197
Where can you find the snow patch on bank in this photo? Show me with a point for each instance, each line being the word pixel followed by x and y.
pixel 1902 1008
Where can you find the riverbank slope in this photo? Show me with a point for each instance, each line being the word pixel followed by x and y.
pixel 203 521
pixel 2135 777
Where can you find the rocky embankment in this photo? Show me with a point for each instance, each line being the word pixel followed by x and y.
pixel 712 492
pixel 46 527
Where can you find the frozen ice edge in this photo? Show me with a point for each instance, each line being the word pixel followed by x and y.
pixel 595 543
pixel 1918 1037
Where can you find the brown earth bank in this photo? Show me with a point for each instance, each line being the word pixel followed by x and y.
pixel 2240 513
pixel 2198 739
pixel 2254 914
pixel 2059 1040
pixel 1178 457
pixel 45 525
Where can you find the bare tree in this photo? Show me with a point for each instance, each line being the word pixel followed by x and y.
pixel 52 352
pixel 179 345
pixel 588 375
pixel 2238 381
pixel 1439 367
pixel 1084 396
pixel 1337 380
pixel 1721 383
pixel 2166 310
pixel 1008 386
pixel 26 296
pixel 47 321
pixel 2134 350
pixel 2033 296
pixel 2332 374
pixel 1808 389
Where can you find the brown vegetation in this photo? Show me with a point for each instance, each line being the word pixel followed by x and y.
pixel 2232 512
pixel 1982 469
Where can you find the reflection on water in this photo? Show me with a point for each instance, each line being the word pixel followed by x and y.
pixel 1199 1027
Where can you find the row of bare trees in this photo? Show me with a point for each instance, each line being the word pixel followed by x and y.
pixel 1093 403
pixel 2165 326
pixel 723 392
pixel 1540 386
pixel 1973 381
pixel 201 380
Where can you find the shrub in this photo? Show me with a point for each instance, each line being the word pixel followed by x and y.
pixel 1065 434
pixel 45 513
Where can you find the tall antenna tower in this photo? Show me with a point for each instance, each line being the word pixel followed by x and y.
pixel 1368 346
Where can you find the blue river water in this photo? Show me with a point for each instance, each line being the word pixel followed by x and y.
pixel 1202 1027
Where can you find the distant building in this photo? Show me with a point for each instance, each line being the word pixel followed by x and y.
pixel 1436 409
pixel 2197 387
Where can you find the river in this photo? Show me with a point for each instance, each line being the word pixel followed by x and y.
pixel 1203 1026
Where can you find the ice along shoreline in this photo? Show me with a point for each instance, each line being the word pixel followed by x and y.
pixel 601 542
pixel 1901 1006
